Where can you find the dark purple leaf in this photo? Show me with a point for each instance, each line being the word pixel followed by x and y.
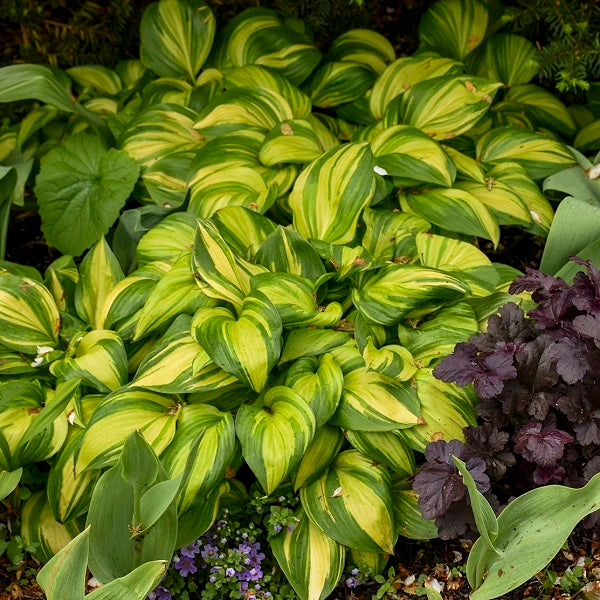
pixel 438 486
pixel 456 521
pixel 588 327
pixel 459 367
pixel 587 432
pixel 490 444
pixel 571 358
pixel 592 467
pixel 508 327
pixel 541 446
pixel 549 474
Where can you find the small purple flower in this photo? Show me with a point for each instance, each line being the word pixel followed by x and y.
pixel 281 498
pixel 160 593
pixel 209 551
pixel 229 572
pixel 352 582
pixel 355 571
pixel 212 579
pixel 277 528
pixel 190 550
pixel 223 540
pixel 186 565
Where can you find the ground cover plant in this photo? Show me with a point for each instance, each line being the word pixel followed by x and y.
pixel 279 245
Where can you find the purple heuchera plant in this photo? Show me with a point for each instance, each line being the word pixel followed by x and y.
pixel 538 379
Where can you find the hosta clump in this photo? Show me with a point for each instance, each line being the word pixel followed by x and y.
pixel 537 378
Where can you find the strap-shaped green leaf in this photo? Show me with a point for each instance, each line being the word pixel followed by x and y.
pixel 330 194
pixel 312 562
pixel 352 503
pixel 275 431
pixel 176 37
pixel 363 46
pixel 385 447
pixel 409 520
pixel 321 452
pixel 247 347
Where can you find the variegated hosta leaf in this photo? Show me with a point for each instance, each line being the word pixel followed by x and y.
pixel 330 194
pixel 292 141
pixel 98 357
pixel 166 180
pixel 121 413
pixel 511 59
pixel 28 314
pixel 213 188
pixel 446 106
pixel 99 272
pixel 375 561
pixel 225 275
pixel 168 239
pixel 504 204
pixel 286 251
pixel 399 291
pixel 409 520
pixel 455 210
pixel 160 130
pixel 256 76
pixel 446 409
pixel 311 342
pixel 366 332
pixel 184 297
pixel 374 402
pixel 436 336
pixel 20 403
pixel 392 360
pixel 294 297
pixel 167 90
pixel 69 494
pixel 540 210
pixel 319 382
pixel 539 155
pixel 545 108
pixel 323 449
pixel 384 447
pixel 176 37
pixel 258 37
pixel 102 80
pixel 390 234
pixel 363 46
pixel 240 108
pixel 352 503
pixel 38 526
pixel 244 230
pixel 326 136
pixel 348 357
pixel 588 137
pixel 216 432
pixel 335 83
pixel 312 562
pixel 275 431
pixel 247 347
pixel 412 157
pixel 15 363
pixel 172 366
pixel 405 72
pixel 454 27
pixel 466 167
pixel 61 278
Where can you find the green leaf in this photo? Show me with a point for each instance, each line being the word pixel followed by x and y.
pixel 81 189
pixel 176 37
pixel 9 481
pixel 157 500
pixel 64 576
pixel 139 465
pixel 133 586
pixel 8 181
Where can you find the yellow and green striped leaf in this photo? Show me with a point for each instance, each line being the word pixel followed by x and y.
pixel 286 251
pixel 453 209
pixel 399 291
pixel 184 297
pixel 38 526
pixel 311 342
pixel 330 194
pixel 98 358
pixel 411 157
pixel 292 141
pixel 294 297
pixel 312 562
pixel 225 276
pixel 454 27
pixel 372 401
pixel 409 520
pixel 405 72
pixel 363 46
pixel 436 336
pixel 539 155
pixel 102 80
pixel 466 167
pixel 322 450
pixel 275 431
pixel 61 278
pixel 166 180
pixel 352 503
pixel 247 347
pixel 391 360
pixel 446 409
pixel 588 137
pixel 99 272
pixel 444 107
pixel 176 37
pixel 29 316
pixel 121 413
pixel 215 431
pixel 319 382
pixel 338 82
pixel 384 447
pixel 69 494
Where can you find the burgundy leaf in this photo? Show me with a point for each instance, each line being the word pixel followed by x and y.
pixel 543 447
